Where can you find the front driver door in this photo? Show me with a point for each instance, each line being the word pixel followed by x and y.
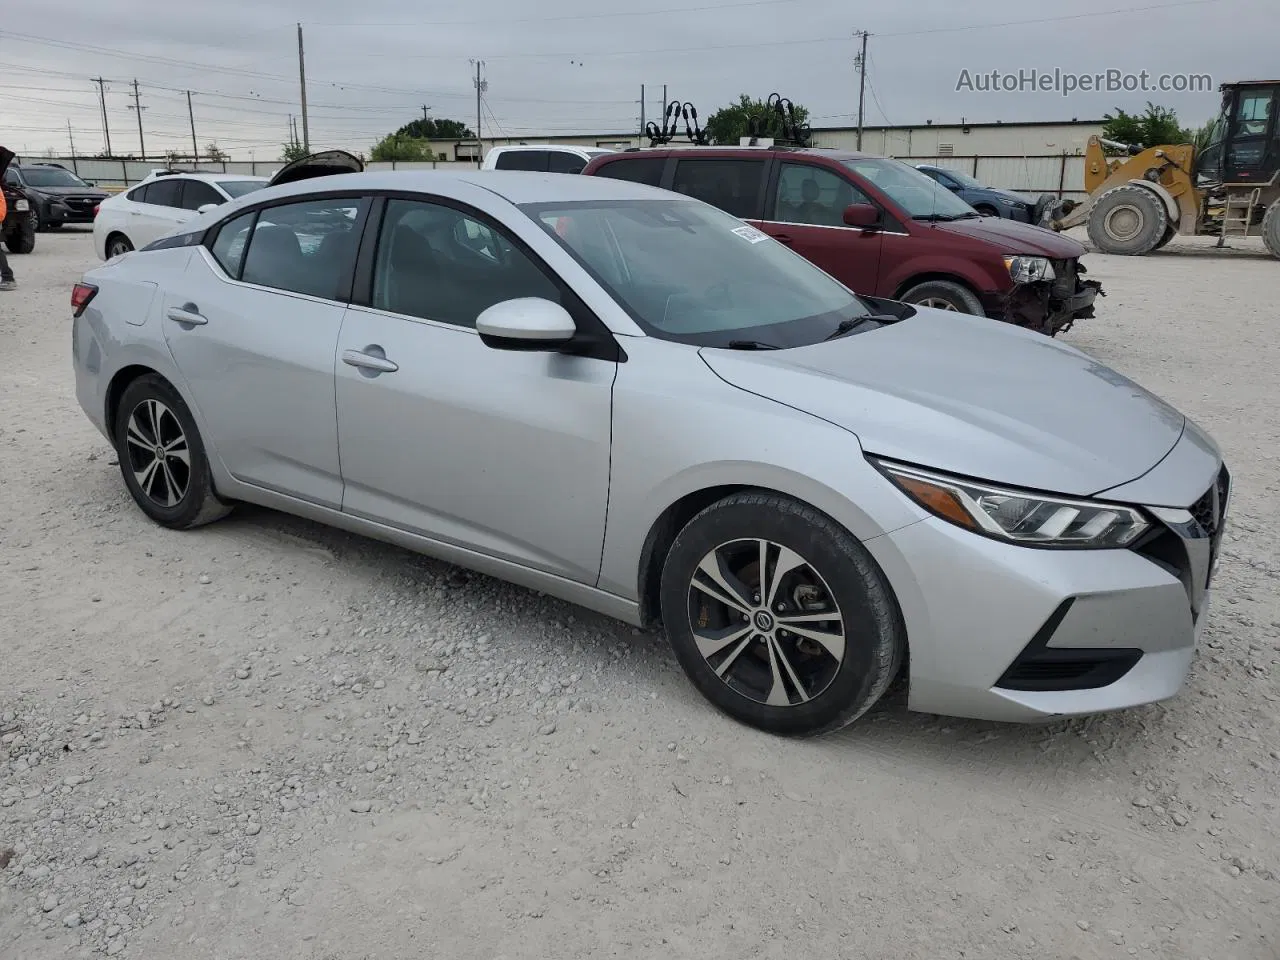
pixel 503 452
pixel 806 212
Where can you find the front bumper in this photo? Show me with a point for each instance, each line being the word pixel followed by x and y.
pixel 76 210
pixel 1003 632
pixel 1048 306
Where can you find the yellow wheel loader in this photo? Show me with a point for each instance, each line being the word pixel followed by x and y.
pixel 1142 199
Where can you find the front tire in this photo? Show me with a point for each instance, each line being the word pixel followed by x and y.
pixel 945 295
pixel 22 239
pixel 162 457
pixel 1128 220
pixel 779 616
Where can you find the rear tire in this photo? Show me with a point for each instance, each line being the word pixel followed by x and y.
pixel 1271 228
pixel 117 244
pixel 162 457
pixel 1170 232
pixel 769 658
pixel 945 295
pixel 1128 220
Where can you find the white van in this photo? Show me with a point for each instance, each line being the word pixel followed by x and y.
pixel 542 157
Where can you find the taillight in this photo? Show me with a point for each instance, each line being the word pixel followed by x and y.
pixel 81 294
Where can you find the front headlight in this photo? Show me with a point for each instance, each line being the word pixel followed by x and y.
pixel 1029 269
pixel 1018 516
pixel 1007 202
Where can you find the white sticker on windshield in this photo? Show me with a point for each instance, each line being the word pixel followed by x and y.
pixel 750 234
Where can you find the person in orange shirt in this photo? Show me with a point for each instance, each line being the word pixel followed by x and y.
pixel 6 272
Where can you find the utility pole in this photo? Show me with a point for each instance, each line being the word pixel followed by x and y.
pixel 102 99
pixel 137 107
pixel 861 61
pixel 641 140
pixel 481 86
pixel 191 115
pixel 72 139
pixel 425 108
pixel 302 83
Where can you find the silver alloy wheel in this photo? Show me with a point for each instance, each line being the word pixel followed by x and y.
pixel 158 453
pixel 118 246
pixel 939 304
pixel 766 622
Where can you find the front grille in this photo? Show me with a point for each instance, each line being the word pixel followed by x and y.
pixel 80 203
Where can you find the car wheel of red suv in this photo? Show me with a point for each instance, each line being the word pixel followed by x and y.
pixel 944 295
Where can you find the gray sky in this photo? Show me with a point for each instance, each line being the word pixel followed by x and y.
pixel 577 67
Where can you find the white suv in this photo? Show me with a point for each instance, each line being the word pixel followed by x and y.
pixel 542 158
pixel 144 213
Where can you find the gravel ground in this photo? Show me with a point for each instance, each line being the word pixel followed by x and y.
pixel 269 738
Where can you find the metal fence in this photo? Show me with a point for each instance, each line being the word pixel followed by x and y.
pixel 1059 174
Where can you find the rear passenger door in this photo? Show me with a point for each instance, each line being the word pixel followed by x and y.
pixel 197 193
pixel 806 212
pixel 159 210
pixel 253 327
pixel 735 185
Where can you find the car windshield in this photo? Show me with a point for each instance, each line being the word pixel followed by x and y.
pixel 922 197
pixel 688 272
pixel 51 177
pixel 238 188
pixel 965 180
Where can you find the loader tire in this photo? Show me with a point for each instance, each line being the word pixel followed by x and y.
pixel 1128 220
pixel 1170 232
pixel 1271 228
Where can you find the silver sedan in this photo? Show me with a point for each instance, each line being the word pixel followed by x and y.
pixel 635 402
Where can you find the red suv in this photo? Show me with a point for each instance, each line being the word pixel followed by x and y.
pixel 881 227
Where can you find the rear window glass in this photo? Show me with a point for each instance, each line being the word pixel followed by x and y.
pixel 228 247
pixel 635 170
pixel 522 160
pixel 731 185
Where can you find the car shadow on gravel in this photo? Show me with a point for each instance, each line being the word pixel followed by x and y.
pixel 1053 755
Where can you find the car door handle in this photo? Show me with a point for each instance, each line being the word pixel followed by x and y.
pixel 186 314
pixel 369 361
pixel 784 238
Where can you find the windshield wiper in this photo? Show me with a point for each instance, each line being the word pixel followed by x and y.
pixel 936 217
pixel 751 345
pixel 852 323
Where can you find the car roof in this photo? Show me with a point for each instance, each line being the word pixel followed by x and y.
pixel 565 147
pixel 516 186
pixel 739 151
pixel 201 175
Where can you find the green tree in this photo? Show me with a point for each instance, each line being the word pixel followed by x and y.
pixel 395 147
pixel 1154 126
pixel 730 123
pixel 293 150
pixel 429 128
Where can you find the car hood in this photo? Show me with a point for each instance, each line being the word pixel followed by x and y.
pixel 1013 237
pixel 970 396
pixel 327 163
pixel 71 191
pixel 1010 195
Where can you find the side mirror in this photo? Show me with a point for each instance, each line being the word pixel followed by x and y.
pixel 954 187
pixel 526 323
pixel 206 207
pixel 863 215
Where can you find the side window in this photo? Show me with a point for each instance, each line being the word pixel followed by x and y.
pixel 304 247
pixel 811 194
pixel 635 170
pixel 437 263
pixel 559 161
pixel 139 194
pixel 731 185
pixel 522 160
pixel 164 193
pixel 228 246
pixel 196 193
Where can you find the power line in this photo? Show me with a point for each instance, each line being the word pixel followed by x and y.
pixel 715 7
